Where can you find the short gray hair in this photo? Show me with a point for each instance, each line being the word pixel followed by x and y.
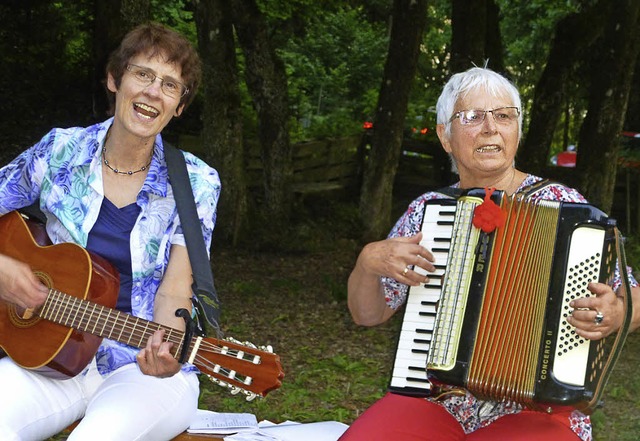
pixel 462 83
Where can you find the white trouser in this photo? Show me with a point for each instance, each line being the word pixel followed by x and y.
pixel 126 405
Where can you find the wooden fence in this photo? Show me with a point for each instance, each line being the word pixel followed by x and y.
pixel 337 163
pixel 325 165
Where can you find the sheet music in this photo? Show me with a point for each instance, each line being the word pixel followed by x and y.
pixel 218 423
pixel 244 427
pixel 292 431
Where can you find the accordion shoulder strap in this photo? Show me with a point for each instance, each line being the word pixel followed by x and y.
pixel 526 192
pixel 452 192
pixel 536 187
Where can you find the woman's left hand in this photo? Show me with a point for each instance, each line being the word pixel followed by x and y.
pixel 155 359
pixel 597 316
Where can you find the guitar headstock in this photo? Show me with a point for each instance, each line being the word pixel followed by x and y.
pixel 240 366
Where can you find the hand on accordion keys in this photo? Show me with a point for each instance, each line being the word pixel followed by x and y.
pixel 402 259
pixel 398 258
pixel 597 316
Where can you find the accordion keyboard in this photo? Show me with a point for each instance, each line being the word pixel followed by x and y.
pixel 409 374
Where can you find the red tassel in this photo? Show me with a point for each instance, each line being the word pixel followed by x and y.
pixel 488 216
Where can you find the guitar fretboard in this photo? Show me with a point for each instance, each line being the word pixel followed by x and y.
pixel 105 322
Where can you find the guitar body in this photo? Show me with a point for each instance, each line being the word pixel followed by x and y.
pixel 42 345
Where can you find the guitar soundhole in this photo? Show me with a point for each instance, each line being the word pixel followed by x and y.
pixel 44 278
pixel 23 318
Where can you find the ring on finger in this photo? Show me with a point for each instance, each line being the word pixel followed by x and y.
pixel 405 271
pixel 599 318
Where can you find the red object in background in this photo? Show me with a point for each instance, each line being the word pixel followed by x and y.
pixel 566 159
pixel 367 125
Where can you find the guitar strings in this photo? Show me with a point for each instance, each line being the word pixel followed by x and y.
pixel 60 302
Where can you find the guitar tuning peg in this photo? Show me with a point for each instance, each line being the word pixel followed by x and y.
pixel 267 348
pixel 249 344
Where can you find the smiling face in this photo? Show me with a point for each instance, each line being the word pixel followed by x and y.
pixel 485 152
pixel 143 111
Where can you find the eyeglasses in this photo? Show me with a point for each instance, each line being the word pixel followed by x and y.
pixel 475 117
pixel 146 77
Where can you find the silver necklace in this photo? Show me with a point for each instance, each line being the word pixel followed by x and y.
pixel 115 170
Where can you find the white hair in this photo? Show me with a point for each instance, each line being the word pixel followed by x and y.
pixel 460 84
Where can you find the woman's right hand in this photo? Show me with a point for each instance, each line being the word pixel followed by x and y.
pixel 397 258
pixel 18 284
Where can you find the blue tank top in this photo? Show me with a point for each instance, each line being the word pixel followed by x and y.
pixel 109 238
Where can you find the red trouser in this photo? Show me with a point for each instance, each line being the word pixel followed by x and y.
pixel 401 418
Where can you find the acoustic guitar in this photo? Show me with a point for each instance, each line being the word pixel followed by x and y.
pixel 60 338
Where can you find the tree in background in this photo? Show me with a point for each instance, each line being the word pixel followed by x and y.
pixel 407 27
pixel 332 55
pixel 550 93
pixel 267 83
pixel 112 20
pixel 611 76
pixel 222 129
pixel 475 36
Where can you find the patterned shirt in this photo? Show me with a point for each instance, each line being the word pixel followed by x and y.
pixel 471 412
pixel 64 171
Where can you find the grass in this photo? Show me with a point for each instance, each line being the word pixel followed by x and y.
pixel 334 369
pixel 295 300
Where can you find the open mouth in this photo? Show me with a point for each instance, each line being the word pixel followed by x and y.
pixel 488 149
pixel 145 111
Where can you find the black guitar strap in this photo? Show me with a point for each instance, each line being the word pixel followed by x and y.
pixel 205 298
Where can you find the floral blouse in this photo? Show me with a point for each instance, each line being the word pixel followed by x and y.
pixel 64 171
pixel 471 412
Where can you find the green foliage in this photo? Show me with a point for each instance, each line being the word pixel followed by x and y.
pixel 176 14
pixel 432 67
pixel 525 28
pixel 46 59
pixel 334 72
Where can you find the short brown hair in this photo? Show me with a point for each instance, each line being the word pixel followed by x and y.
pixel 155 39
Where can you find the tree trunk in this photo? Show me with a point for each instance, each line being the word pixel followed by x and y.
pixel 267 83
pixel 113 20
pixel 610 86
pixel 409 18
pixel 222 114
pixel 475 35
pixel 573 37
pixel 493 48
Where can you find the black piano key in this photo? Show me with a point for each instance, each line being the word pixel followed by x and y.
pixel 419 380
pixel 417 368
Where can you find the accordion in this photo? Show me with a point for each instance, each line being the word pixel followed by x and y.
pixel 492 318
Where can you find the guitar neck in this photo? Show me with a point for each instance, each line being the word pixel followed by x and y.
pixel 105 322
